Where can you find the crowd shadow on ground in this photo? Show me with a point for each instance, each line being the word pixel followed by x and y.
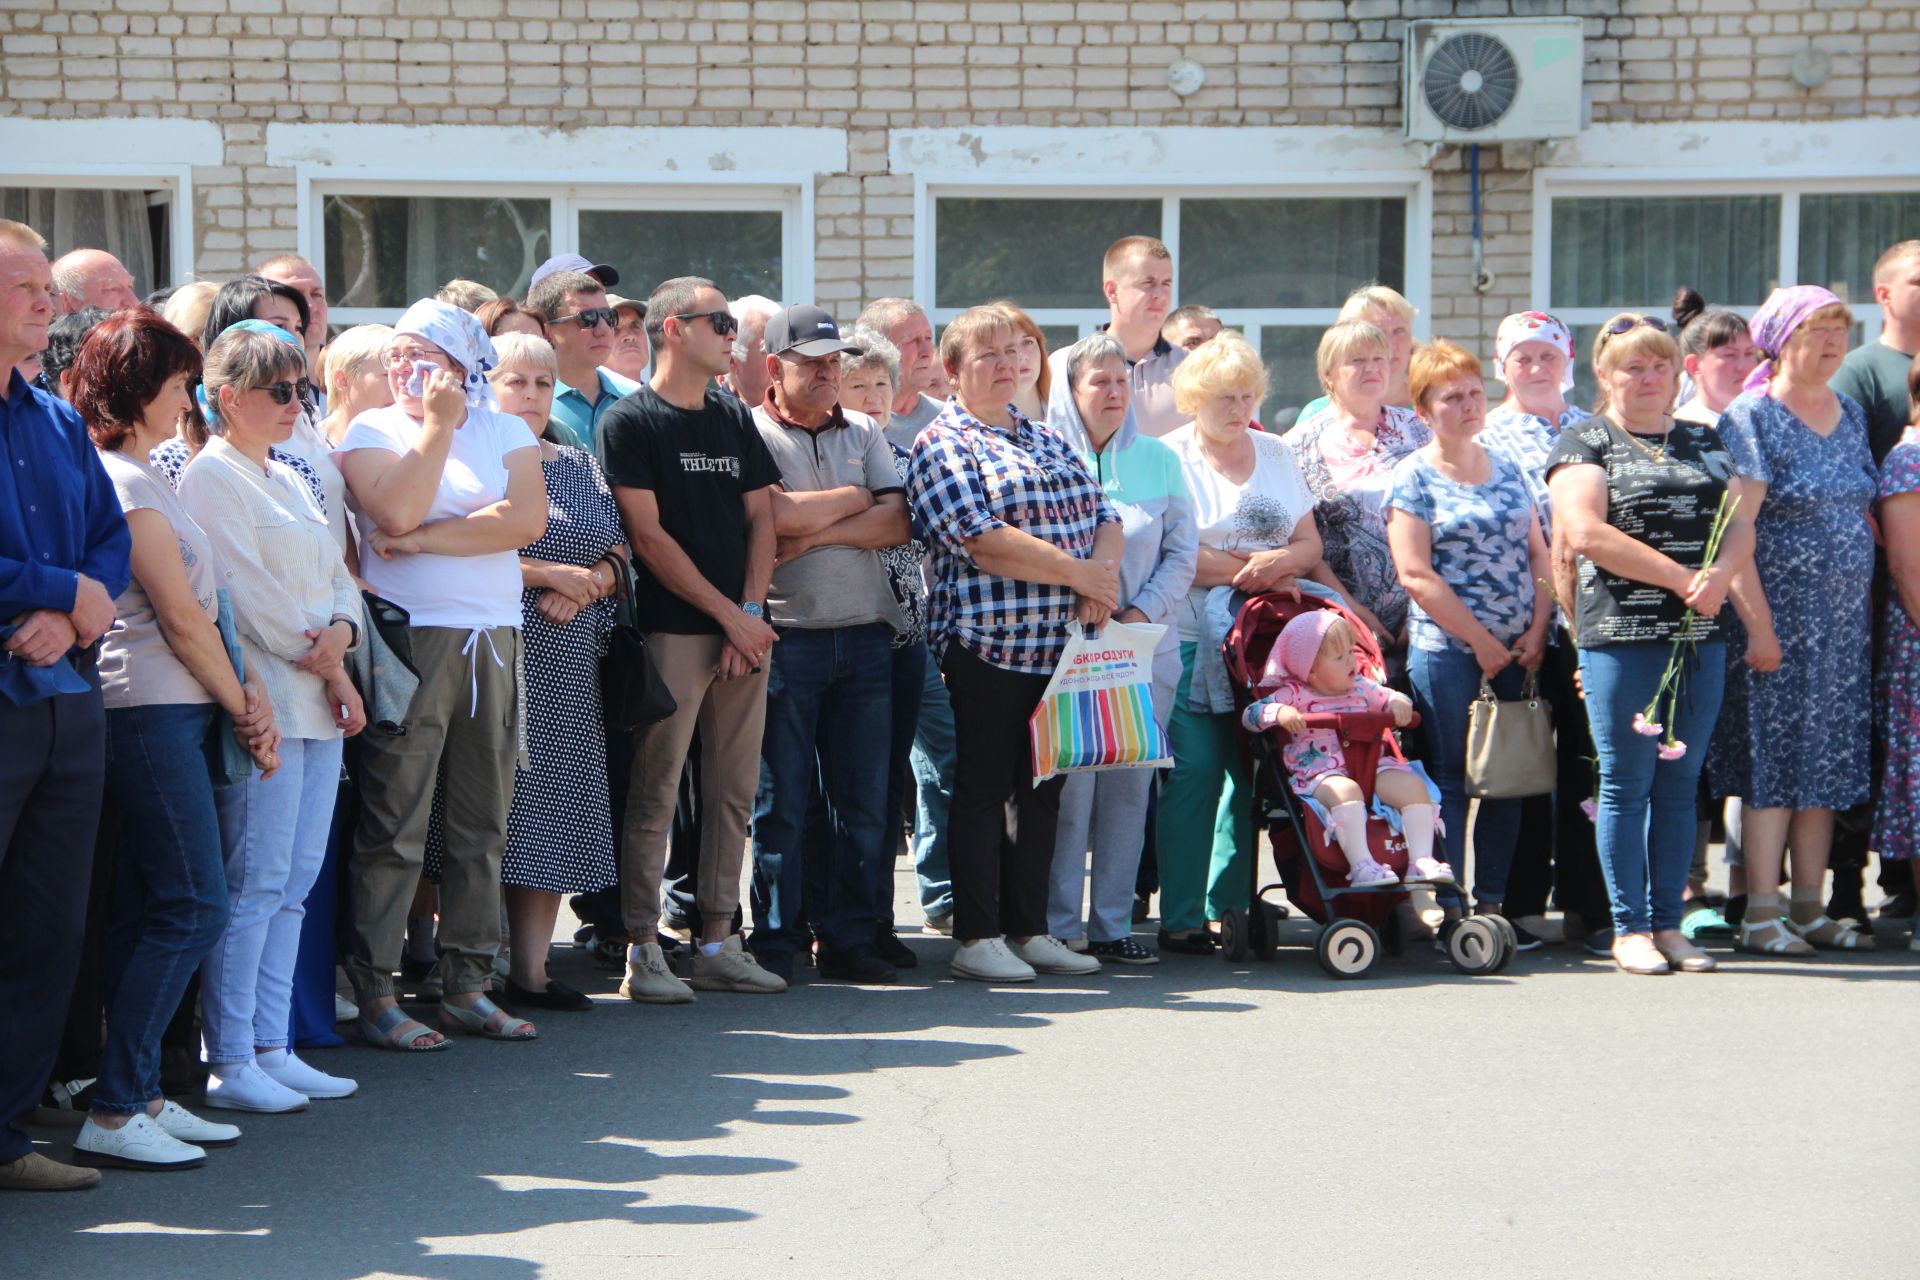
pixel 442 1151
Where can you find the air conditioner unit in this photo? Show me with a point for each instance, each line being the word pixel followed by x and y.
pixel 1502 80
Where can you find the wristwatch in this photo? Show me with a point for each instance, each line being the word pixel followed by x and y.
pixel 752 609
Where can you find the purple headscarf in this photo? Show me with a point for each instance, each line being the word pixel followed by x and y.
pixel 1784 311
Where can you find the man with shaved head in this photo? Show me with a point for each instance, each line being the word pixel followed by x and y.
pixel 91 278
pixel 296 272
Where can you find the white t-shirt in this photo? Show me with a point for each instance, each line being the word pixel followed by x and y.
pixel 137 664
pixel 437 590
pixel 1259 515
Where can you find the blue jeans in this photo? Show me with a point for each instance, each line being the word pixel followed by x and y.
pixel 828 697
pixel 1444 687
pixel 933 764
pixel 274 831
pixel 1646 825
pixel 170 889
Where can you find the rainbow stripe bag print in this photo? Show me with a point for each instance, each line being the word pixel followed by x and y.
pixel 1098 709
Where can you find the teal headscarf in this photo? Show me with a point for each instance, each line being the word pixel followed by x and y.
pixel 246 326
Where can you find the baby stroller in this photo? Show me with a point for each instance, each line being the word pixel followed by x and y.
pixel 1313 871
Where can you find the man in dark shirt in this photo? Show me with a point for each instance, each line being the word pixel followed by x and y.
pixel 694 483
pixel 63 558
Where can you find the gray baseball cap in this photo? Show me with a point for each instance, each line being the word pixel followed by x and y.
pixel 574 262
pixel 806 330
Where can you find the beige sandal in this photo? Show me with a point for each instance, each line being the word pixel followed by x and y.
pixel 1830 934
pixel 1635 953
pixel 1770 938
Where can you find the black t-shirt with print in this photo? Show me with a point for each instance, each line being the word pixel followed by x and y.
pixel 700 464
pixel 1663 494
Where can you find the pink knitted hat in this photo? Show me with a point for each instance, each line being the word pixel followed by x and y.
pixel 1299 644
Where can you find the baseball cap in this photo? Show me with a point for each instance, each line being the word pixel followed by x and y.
pixel 615 301
pixel 574 262
pixel 807 330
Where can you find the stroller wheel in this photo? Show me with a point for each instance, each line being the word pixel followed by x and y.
pixel 1476 946
pixel 1266 936
pixel 1348 949
pixel 1511 940
pixel 1234 942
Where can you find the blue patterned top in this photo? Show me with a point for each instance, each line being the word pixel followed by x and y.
pixel 1479 546
pixel 1528 438
pixel 964 479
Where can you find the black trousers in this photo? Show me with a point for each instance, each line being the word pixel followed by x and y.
pixel 1556 851
pixel 1001 827
pixel 52 773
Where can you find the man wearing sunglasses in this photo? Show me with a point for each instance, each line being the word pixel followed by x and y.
pixel 694 483
pixel 580 323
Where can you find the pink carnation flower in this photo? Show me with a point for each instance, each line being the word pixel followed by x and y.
pixel 1672 750
pixel 1650 728
pixel 1591 808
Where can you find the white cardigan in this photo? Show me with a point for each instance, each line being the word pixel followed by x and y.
pixel 282 569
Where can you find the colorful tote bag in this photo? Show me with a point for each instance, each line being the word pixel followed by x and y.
pixel 1098 709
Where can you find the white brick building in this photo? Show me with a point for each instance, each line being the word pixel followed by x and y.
pixel 839 151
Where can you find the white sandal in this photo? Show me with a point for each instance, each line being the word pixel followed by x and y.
pixel 1832 935
pixel 1782 941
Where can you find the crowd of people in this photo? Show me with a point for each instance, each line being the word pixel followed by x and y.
pixel 363 653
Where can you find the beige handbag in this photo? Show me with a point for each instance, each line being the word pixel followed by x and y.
pixel 1510 745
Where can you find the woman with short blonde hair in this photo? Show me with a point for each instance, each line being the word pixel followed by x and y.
pixel 187 309
pixel 1794 744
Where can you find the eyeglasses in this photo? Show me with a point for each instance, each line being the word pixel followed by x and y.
pixel 589 319
pixel 724 325
pixel 283 392
pixel 405 359
pixel 1627 324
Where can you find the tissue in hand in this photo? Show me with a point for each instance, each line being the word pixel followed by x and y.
pixel 417 380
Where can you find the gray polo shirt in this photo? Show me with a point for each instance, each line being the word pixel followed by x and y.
pixel 831 586
pixel 904 428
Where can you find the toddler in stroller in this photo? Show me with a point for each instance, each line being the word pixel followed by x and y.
pixel 1313 669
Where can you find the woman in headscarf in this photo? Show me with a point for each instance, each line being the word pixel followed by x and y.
pixel 1794 740
pixel 447 489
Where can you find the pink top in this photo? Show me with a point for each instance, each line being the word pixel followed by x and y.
pixel 1315 754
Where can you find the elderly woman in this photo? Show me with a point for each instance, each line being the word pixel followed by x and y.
pixel 1896 826
pixel 1637 495
pixel 1021 541
pixel 1146 485
pixel 1716 353
pixel 1469 550
pixel 1795 742
pixel 560 825
pixel 1347 452
pixel 1256 530
pixel 296 611
pixel 1032 379
pixel 165 672
pixel 447 489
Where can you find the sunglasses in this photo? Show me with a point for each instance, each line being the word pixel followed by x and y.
pixel 283 392
pixel 1627 324
pixel 724 325
pixel 590 319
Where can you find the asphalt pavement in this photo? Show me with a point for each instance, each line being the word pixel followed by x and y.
pixel 1198 1118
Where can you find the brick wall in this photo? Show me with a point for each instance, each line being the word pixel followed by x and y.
pixel 873 66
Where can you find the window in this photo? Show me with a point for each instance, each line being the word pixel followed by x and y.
pixel 1276 267
pixel 134 224
pixel 1841 236
pixel 383 246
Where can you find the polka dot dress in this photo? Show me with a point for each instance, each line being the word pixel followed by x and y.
pixel 560 828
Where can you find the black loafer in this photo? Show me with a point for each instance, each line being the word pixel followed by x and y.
pixel 860 965
pixel 1196 943
pixel 558 997
pixel 893 951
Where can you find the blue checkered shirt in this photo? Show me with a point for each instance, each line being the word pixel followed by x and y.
pixel 1527 438
pixel 965 479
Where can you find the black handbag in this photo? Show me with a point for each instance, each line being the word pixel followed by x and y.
pixel 631 689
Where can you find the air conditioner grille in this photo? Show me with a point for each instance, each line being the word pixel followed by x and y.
pixel 1471 81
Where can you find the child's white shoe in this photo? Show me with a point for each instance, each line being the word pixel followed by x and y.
pixel 1429 869
pixel 1368 874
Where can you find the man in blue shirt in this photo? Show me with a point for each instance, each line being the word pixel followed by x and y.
pixel 63 558
pixel 580 324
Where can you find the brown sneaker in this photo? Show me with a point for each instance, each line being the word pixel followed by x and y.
pixel 34 1172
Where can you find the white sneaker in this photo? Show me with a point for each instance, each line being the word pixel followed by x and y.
pixel 648 979
pixel 989 960
pixel 301 1078
pixel 1050 955
pixel 344 1010
pixel 243 1086
pixel 140 1143
pixel 734 968
pixel 187 1127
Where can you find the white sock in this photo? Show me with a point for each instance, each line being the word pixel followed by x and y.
pixel 274 1058
pixel 1416 823
pixel 1349 823
pixel 711 948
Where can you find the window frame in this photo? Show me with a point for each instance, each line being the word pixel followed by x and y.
pixel 118 156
